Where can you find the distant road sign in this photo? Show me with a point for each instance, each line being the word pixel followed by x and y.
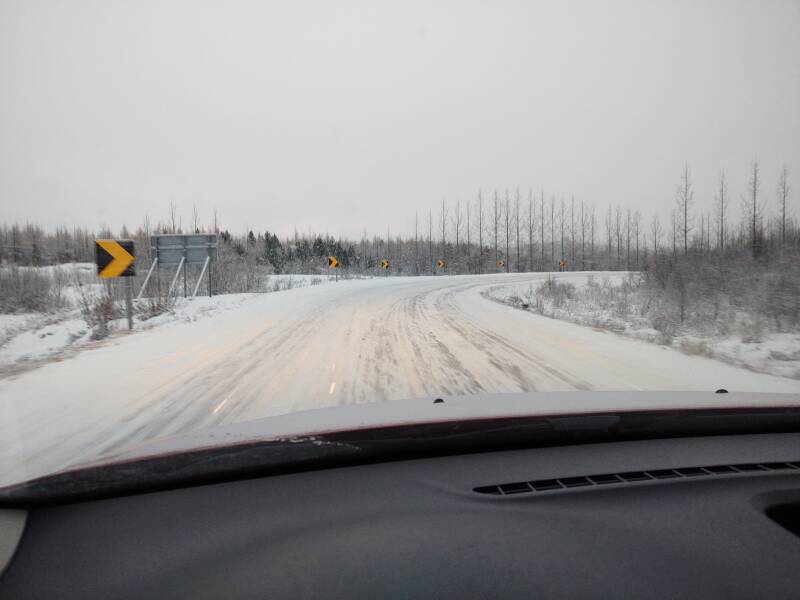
pixel 332 262
pixel 501 263
pixel 385 263
pixel 114 258
pixel 440 263
pixel 190 248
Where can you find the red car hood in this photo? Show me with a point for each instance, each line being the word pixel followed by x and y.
pixel 376 415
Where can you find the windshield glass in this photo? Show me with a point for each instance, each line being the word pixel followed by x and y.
pixel 215 213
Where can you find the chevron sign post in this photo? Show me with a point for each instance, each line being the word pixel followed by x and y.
pixel 117 258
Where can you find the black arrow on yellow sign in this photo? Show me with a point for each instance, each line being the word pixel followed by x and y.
pixel 114 258
pixel 385 263
pixel 440 263
pixel 332 262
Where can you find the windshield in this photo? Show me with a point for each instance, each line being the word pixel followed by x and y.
pixel 216 214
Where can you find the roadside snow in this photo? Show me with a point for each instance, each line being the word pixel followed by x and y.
pixel 10 324
pixel 30 338
pixel 769 352
pixel 36 344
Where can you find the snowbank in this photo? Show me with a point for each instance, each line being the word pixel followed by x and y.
pixel 601 301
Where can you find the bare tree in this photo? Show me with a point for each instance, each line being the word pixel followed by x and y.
pixel 416 242
pixel 685 199
pixel 637 217
pixel 469 243
pixel 592 225
pixel 572 231
pixel 609 231
pixel 480 232
pixel 541 218
pixel 508 229
pixel 618 234
pixel 531 219
pixel 628 224
pixel 674 233
pixel 721 210
pixel 561 219
pixel 195 220
pixel 783 197
pixel 443 226
pixel 702 235
pixel 430 240
pixel 655 231
pixel 584 218
pixel 516 227
pixel 173 217
pixel 752 207
pixel 457 224
pixel 496 216
pixel 553 232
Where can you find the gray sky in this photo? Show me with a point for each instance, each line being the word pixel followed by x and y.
pixel 344 115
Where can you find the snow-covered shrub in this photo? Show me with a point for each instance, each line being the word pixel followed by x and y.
pixel 154 305
pixel 283 283
pixel 98 310
pixel 556 291
pixel 695 346
pixel 29 289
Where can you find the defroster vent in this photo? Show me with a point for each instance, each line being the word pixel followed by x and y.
pixel 549 485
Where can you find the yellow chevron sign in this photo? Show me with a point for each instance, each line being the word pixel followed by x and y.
pixel 332 262
pixel 114 258
pixel 385 263
pixel 440 263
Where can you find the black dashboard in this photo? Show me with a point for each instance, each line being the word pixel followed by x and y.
pixel 711 517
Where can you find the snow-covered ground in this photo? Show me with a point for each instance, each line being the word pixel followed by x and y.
pixel 776 353
pixel 322 346
pixel 28 339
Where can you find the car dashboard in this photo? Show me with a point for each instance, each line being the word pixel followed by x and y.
pixel 714 516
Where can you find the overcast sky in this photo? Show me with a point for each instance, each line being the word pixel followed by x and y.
pixel 339 115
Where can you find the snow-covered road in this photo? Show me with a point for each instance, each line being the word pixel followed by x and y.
pixel 352 341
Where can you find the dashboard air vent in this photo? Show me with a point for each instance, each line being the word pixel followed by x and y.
pixel 549 485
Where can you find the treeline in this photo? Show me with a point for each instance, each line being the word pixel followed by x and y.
pixel 499 231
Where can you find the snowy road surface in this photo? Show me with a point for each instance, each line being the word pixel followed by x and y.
pixel 352 341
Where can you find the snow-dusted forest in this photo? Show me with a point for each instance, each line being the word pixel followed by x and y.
pixel 710 267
